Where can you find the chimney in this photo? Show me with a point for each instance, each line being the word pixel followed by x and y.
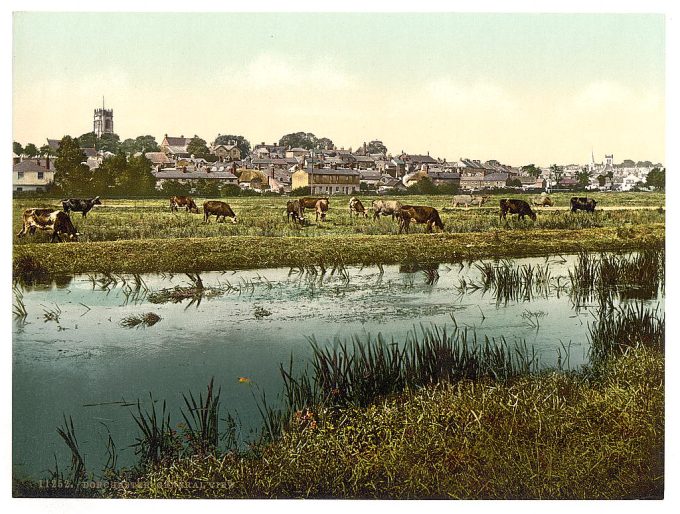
pixel 47 161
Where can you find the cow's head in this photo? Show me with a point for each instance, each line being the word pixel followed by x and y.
pixel 233 220
pixel 96 201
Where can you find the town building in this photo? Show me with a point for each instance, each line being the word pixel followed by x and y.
pixel 175 147
pixel 103 121
pixel 327 181
pixel 32 174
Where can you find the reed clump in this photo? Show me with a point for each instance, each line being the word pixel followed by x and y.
pixel 547 436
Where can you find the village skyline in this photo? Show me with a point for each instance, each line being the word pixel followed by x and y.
pixel 517 88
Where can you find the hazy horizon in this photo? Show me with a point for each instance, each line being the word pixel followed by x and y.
pixel 519 88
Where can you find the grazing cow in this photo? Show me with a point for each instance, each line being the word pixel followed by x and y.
pixel 218 209
pixel 519 207
pixel 356 207
pixel 47 219
pixel 309 202
pixel 385 207
pixel 78 205
pixel 183 201
pixel 469 200
pixel 582 203
pixel 321 208
pixel 419 214
pixel 295 210
pixel 542 200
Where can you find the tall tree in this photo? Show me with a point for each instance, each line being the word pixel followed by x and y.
pixel 583 177
pixel 71 176
pixel 109 143
pixel 305 140
pixel 31 150
pixel 657 178
pixel 531 170
pixel 87 140
pixel 46 150
pixel 146 143
pixel 136 178
pixel 105 178
pixel 628 163
pixel 198 147
pixel 557 172
pixel 324 143
pixel 376 146
pixel 242 143
pixel 17 148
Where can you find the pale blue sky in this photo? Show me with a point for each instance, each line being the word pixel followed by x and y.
pixel 516 87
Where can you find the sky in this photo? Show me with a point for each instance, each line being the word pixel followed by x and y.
pixel 520 87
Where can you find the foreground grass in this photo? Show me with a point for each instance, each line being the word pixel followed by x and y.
pixel 247 252
pixel 551 436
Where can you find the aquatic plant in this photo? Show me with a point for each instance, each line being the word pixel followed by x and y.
pixel 140 320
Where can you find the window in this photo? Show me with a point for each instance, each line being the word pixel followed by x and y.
pixel 41 175
pixel 20 175
pixel 19 189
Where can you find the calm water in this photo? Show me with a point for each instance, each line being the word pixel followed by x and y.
pixel 72 356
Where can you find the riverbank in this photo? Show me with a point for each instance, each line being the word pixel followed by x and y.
pixel 551 436
pixel 246 252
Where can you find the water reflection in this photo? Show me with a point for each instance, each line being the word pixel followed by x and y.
pixel 244 324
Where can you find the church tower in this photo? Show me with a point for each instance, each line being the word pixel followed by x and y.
pixel 103 121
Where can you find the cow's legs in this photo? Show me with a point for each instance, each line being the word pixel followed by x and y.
pixel 23 231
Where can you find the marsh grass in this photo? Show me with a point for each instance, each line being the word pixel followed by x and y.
pixel 601 277
pixel 140 320
pixel 547 436
pixel 617 331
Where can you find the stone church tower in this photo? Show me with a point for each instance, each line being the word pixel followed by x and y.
pixel 103 121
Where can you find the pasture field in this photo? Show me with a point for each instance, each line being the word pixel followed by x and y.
pixel 143 235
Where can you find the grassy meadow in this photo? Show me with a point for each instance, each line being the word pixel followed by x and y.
pixel 143 235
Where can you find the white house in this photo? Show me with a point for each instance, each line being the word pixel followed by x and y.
pixel 32 175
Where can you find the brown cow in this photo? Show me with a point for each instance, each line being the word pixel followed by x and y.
pixel 542 200
pixel 183 201
pixel 321 208
pixel 519 207
pixel 385 207
pixel 309 202
pixel 294 208
pixel 419 214
pixel 582 203
pixel 218 209
pixel 47 219
pixel 356 207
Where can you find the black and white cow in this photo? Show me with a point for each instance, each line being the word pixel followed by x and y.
pixel 79 205
pixel 47 219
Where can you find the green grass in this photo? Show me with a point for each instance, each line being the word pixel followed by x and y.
pixel 265 216
pixel 550 436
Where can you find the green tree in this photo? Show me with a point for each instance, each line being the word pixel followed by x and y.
pixel 513 182
pixel 147 143
pixel 424 186
pixel 627 163
pixel 557 172
pixel 71 176
pixel 305 140
pixel 657 179
pixel 601 180
pixel 376 146
pixel 531 170
pixel 198 147
pixel 46 150
pixel 176 188
pixel 242 143
pixel 325 143
pixel 105 178
pixel 31 150
pixel 17 148
pixel 87 140
pixel 129 146
pixel 644 164
pixel 137 179
pixel 109 143
pixel 583 178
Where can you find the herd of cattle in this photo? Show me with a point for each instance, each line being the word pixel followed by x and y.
pixel 59 222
